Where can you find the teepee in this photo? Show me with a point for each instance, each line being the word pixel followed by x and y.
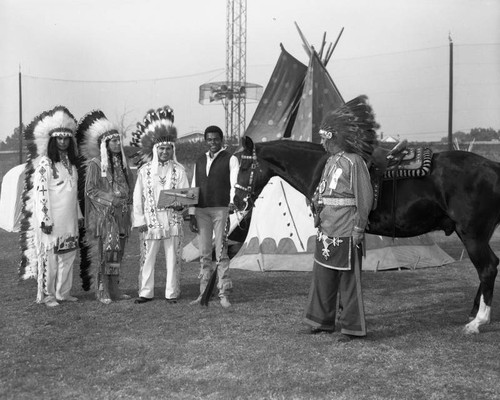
pixel 421 251
pixel 281 237
pixel 294 101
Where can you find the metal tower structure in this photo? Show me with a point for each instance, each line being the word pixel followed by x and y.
pixel 236 66
pixel 235 90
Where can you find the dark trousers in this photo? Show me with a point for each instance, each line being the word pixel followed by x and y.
pixel 321 307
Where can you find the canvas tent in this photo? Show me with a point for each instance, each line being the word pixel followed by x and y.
pixel 294 101
pixel 11 200
pixel 282 237
pixel 414 252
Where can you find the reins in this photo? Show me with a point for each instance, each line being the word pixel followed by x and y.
pixel 249 188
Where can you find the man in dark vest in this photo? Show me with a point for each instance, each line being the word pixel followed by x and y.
pixel 215 173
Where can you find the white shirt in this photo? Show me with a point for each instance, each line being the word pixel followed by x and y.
pixel 234 167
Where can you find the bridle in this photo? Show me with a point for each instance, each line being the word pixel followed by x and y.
pixel 249 189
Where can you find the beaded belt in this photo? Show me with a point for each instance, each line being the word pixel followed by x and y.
pixel 335 201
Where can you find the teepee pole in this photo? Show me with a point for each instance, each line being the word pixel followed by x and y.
pixel 328 55
pixel 306 45
pixel 320 54
pixel 328 51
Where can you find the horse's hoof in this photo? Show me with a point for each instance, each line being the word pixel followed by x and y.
pixel 470 329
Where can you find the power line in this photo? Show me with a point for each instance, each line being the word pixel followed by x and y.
pixel 218 70
pixel 222 70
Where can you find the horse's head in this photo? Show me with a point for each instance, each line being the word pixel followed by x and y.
pixel 252 176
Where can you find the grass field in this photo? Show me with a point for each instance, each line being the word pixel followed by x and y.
pixel 415 348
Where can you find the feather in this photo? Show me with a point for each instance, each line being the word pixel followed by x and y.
pixel 57 118
pixel 85 260
pixel 157 126
pixel 92 129
pixel 353 126
pixel 83 243
pixel 28 264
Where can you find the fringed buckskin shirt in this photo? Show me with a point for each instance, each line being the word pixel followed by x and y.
pixel 347 195
pixel 100 192
pixel 56 204
pixel 162 224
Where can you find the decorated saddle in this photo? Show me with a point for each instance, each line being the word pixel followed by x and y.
pixel 410 163
pixel 399 163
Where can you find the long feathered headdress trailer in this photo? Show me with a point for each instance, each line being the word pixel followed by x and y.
pixel 353 127
pixel 157 128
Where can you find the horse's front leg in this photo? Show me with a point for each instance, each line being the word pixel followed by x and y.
pixel 482 318
pixel 475 306
pixel 486 263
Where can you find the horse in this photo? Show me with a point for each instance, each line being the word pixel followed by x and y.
pixel 460 194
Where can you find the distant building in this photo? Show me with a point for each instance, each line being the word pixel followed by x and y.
pixel 389 139
pixel 191 137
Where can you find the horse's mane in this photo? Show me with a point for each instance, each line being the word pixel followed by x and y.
pixel 290 144
pixel 287 157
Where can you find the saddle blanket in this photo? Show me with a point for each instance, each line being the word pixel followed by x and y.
pixel 414 163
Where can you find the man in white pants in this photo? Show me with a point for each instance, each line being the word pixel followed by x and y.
pixel 158 226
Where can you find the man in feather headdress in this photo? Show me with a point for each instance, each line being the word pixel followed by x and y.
pixel 51 209
pixel 160 171
pixel 342 202
pixel 108 199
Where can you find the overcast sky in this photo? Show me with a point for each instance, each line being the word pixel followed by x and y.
pixel 178 45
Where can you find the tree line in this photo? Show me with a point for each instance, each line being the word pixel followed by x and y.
pixel 187 151
pixel 476 134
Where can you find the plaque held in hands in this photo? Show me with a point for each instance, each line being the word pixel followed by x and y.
pixel 186 197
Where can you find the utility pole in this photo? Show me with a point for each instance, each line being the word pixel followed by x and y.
pixel 20 119
pixel 450 98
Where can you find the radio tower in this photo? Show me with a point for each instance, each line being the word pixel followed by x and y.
pixel 234 91
pixel 236 65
